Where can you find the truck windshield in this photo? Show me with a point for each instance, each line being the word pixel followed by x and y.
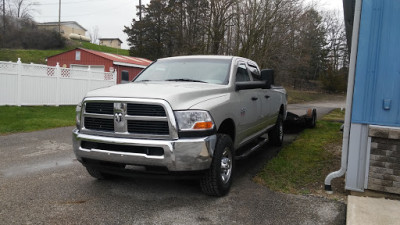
pixel 215 71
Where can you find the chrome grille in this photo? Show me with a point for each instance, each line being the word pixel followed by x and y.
pixel 148 127
pixel 131 118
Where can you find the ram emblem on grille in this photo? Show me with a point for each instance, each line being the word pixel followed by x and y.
pixel 118 117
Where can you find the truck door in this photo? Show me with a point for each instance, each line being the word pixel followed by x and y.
pixel 273 103
pixel 249 107
pixel 270 101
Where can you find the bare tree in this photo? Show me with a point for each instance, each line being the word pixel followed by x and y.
pixel 289 36
pixel 22 8
pixel 336 37
pixel 94 35
pixel 219 18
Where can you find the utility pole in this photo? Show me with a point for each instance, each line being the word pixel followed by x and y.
pixel 4 17
pixel 140 19
pixel 140 10
pixel 59 16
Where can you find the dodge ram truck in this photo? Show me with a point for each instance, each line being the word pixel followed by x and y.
pixel 181 115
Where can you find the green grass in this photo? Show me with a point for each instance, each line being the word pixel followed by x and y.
pixel 102 48
pixel 29 55
pixel 39 56
pixel 335 115
pixel 15 119
pixel 305 162
pixel 296 96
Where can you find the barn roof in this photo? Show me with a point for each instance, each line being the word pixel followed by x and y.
pixel 117 59
pixel 120 58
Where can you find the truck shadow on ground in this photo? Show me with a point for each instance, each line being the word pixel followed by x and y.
pixel 245 169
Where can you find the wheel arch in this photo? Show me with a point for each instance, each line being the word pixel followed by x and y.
pixel 228 127
pixel 282 111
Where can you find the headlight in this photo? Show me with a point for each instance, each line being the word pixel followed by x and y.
pixel 78 115
pixel 194 120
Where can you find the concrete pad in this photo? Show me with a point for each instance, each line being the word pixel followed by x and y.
pixel 365 211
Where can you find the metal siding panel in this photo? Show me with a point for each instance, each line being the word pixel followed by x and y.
pixel 378 69
pixel 87 58
pixel 355 175
pixel 133 72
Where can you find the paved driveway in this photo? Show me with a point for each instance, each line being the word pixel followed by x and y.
pixel 42 183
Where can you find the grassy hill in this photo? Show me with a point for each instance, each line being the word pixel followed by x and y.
pixel 39 56
pixel 103 48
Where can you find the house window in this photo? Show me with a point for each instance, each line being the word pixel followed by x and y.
pixel 77 55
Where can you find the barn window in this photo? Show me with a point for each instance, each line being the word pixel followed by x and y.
pixel 124 76
pixel 77 55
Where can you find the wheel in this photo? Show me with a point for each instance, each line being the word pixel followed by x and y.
pixel 97 174
pixel 276 134
pixel 312 122
pixel 218 179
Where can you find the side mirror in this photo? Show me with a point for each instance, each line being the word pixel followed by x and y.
pixel 245 85
pixel 268 76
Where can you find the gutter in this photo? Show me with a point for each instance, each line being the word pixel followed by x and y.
pixel 128 64
pixel 349 100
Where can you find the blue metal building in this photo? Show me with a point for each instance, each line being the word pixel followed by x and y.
pixel 371 139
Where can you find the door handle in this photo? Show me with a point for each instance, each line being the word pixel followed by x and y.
pixel 267 96
pixel 254 98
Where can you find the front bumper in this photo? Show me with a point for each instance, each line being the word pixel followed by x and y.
pixel 191 154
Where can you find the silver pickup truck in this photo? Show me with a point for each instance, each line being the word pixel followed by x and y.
pixel 181 115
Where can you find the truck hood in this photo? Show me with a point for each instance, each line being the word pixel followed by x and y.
pixel 180 95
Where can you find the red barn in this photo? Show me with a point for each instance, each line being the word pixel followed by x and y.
pixel 80 58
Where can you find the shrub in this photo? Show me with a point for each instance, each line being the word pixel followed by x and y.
pixel 23 33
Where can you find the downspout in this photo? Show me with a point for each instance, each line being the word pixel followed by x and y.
pixel 349 100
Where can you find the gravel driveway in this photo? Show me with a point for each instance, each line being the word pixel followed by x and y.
pixel 42 183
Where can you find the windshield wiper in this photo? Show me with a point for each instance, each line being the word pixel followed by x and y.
pixel 142 80
pixel 189 80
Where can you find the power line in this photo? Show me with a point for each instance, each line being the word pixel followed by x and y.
pixel 67 3
pixel 59 16
pixel 86 14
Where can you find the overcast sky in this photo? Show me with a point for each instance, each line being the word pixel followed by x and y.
pixel 110 16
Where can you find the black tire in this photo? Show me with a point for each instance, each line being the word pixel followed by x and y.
pixel 217 180
pixel 97 174
pixel 312 122
pixel 276 134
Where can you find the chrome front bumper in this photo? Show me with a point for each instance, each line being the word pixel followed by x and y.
pixel 191 154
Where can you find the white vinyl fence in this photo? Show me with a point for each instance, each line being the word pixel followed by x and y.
pixel 34 84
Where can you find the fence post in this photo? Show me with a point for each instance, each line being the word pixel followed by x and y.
pixel 89 80
pixel 19 71
pixel 58 77
pixel 115 74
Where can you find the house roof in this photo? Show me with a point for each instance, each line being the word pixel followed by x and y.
pixel 117 59
pixel 120 58
pixel 105 39
pixel 62 23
